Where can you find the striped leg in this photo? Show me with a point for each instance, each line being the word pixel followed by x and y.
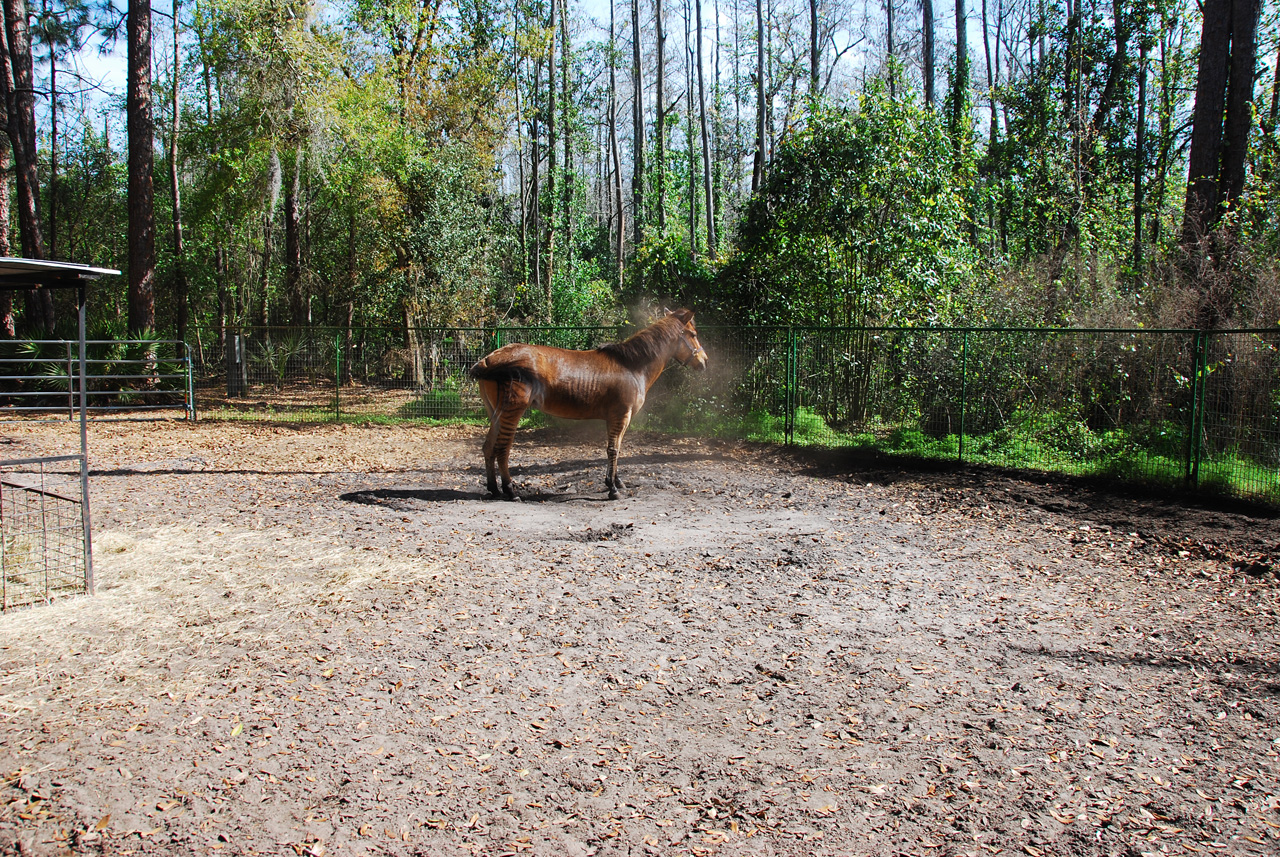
pixel 490 453
pixel 617 428
pixel 510 419
pixel 513 401
pixel 489 395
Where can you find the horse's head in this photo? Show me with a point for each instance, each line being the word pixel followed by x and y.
pixel 689 351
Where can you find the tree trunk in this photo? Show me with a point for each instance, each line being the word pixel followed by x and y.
pixel 268 249
pixel 142 225
pixel 293 285
pixel 960 91
pixel 757 170
pixel 1239 119
pixel 20 98
pixel 888 13
pixel 991 76
pixel 926 23
pixel 179 255
pixel 1200 210
pixel 535 160
pixel 567 184
pixel 706 142
pixel 737 112
pixel 1164 124
pixel 814 56
pixel 637 166
pixel 769 80
pixel 690 133
pixel 417 370
pixel 1139 163
pixel 660 118
pixel 348 338
pixel 53 154
pixel 19 95
pixel 8 328
pixel 524 194
pixel 604 177
pixel 717 127
pixel 224 297
pixel 547 285
pixel 613 146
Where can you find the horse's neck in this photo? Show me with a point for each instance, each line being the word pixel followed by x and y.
pixel 654 367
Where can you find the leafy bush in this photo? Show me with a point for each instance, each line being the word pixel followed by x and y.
pixel 434 404
pixel 860 219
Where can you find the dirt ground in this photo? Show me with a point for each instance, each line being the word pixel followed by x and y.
pixel 324 641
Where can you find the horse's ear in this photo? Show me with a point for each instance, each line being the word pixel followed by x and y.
pixel 685 315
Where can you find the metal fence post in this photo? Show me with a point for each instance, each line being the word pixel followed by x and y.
pixel 337 378
pixel 86 518
pixel 71 386
pixel 964 388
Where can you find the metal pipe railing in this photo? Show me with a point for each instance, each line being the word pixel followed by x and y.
pixel 169 385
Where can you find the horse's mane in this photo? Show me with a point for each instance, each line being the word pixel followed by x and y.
pixel 646 345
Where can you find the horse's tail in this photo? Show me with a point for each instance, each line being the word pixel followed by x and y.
pixel 506 373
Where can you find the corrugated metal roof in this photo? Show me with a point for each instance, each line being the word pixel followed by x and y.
pixel 15 272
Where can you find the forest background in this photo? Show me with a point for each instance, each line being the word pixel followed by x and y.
pixel 465 162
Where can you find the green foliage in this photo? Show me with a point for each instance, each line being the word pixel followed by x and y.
pixel 275 353
pixel 1014 206
pixel 859 221
pixel 664 268
pixel 440 404
pixel 450 238
pixel 582 296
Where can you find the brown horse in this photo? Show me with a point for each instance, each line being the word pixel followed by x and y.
pixel 607 383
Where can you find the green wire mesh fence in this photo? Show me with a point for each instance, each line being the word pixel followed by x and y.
pixel 1168 406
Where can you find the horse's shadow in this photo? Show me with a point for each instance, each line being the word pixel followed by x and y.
pixel 400 496
pixel 577 472
pixel 626 463
pixel 404 499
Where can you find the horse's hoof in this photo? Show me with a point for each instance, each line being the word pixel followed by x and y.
pixel 613 495
pixel 617 483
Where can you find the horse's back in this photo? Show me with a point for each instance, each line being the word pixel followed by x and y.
pixel 561 382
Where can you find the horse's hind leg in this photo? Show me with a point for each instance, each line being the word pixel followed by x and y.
pixel 509 420
pixel 490 456
pixel 617 428
pixel 488 395
pixel 513 401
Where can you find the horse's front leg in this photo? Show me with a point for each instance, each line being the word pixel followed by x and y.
pixel 617 428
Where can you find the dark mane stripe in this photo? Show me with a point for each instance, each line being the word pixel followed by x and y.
pixel 645 346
